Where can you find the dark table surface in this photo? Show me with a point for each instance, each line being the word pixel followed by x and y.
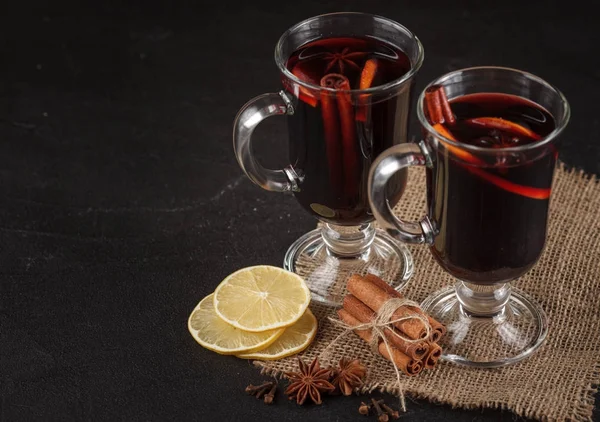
pixel 121 203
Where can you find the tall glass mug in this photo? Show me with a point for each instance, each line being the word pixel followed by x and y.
pixel 488 190
pixel 347 81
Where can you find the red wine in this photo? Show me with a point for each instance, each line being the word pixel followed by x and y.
pixel 490 219
pixel 335 135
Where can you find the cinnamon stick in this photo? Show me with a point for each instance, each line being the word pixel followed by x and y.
pixel 437 106
pixel 433 105
pixel 331 127
pixel 406 364
pixel 446 110
pixel 349 144
pixel 364 314
pixel 438 329
pixel 435 352
pixel 374 297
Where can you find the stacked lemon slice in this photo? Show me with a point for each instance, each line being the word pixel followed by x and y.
pixel 256 313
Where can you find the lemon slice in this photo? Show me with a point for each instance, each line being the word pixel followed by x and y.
pixel 294 340
pixel 261 298
pixel 215 334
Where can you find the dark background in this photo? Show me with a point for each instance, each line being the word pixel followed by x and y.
pixel 121 204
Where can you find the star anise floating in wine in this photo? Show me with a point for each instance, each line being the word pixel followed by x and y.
pixel 348 376
pixel 342 59
pixel 309 382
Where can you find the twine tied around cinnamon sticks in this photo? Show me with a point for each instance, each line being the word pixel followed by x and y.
pixel 384 320
pixel 377 325
pixel 391 324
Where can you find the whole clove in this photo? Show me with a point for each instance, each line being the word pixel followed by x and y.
pixel 364 408
pixel 270 396
pixel 394 414
pixel 259 391
pixel 381 415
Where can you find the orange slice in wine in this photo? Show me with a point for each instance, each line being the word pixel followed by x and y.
pixel 505 125
pixel 527 191
pixel 367 77
pixel 306 94
pixel 460 153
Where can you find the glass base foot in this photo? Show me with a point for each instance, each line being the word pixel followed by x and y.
pixel 326 272
pixel 511 335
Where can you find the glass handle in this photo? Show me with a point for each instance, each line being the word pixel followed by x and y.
pixel 250 115
pixel 384 167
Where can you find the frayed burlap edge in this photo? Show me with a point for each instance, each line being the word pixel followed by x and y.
pixel 581 410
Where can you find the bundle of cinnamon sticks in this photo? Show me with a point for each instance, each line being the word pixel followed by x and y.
pixel 367 296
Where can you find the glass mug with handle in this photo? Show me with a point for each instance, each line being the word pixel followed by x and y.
pixel 489 158
pixel 347 80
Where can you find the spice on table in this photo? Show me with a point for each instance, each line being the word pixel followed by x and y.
pixel 364 408
pixel 394 414
pixel 384 411
pixel 348 375
pixel 270 396
pixel 381 415
pixel 259 391
pixel 310 381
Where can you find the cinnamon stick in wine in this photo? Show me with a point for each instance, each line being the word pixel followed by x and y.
pixel 374 297
pixel 446 110
pixel 407 365
pixel 437 106
pixel 349 143
pixel 438 329
pixel 433 105
pixel 364 314
pixel 331 127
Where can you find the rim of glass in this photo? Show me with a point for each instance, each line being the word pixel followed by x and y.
pixel 564 119
pixel 280 59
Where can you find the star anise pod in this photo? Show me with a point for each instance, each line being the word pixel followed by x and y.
pixel 348 375
pixel 309 381
pixel 342 59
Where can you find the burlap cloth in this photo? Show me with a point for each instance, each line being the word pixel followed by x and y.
pixel 558 383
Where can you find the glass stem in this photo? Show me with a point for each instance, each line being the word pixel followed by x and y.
pixel 482 300
pixel 348 241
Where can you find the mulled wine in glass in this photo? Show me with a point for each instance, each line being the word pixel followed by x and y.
pixel 347 81
pixel 490 153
